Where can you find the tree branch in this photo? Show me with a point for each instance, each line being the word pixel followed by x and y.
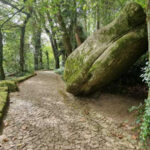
pixel 12 5
pixel 11 17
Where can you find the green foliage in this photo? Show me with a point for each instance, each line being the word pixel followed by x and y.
pixel 146 75
pixel 48 48
pixel 140 110
pixel 145 126
pixel 143 3
pixel 59 71
pixel 11 51
pixel 144 116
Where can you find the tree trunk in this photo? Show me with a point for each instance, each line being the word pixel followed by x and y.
pixel 40 59
pixel 63 59
pixel 2 74
pixel 39 48
pixel 22 41
pixel 53 41
pixel 54 48
pixel 66 37
pixel 36 60
pixel 148 26
pixel 47 58
pixel 79 35
pixel 148 29
pixel 78 40
pixel 98 17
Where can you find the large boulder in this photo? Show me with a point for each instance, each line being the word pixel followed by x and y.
pixel 108 53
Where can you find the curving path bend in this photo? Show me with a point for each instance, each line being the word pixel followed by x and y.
pixel 43 116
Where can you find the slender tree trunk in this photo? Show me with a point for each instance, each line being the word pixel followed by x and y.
pixel 2 74
pixel 22 41
pixel 54 48
pixel 39 48
pixel 66 37
pixel 36 60
pixel 53 41
pixel 78 40
pixel 56 52
pixel 79 34
pixel 148 28
pixel 98 17
pixel 36 48
pixel 63 59
pixel 85 23
pixel 40 59
pixel 47 58
pixel 22 61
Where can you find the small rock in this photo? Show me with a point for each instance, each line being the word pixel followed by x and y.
pixel 24 127
pixel 3 138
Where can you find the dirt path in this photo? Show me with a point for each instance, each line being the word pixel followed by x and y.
pixel 42 116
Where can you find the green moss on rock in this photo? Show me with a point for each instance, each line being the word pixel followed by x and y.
pixel 3 89
pixel 108 52
pixel 23 78
pixel 3 102
pixel 12 85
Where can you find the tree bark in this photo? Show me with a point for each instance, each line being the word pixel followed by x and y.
pixel 47 58
pixel 98 17
pixel 148 29
pixel 66 37
pixel 52 36
pixel 40 59
pixel 79 35
pixel 22 42
pixel 36 60
pixel 39 48
pixel 148 26
pixel 54 48
pixel 2 74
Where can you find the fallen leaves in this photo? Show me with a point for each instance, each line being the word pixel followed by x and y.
pixel 118 135
pixel 5 140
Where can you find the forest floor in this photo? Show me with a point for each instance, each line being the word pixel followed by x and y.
pixel 43 116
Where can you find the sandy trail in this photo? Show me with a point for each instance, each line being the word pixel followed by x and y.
pixel 43 116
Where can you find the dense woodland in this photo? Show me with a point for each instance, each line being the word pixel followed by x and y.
pixel 41 34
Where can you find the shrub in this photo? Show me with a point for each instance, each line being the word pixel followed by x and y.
pixel 59 71
pixel 145 118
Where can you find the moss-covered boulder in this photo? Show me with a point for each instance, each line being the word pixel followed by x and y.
pixel 11 85
pixel 3 89
pixel 108 53
pixel 23 78
pixel 3 102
